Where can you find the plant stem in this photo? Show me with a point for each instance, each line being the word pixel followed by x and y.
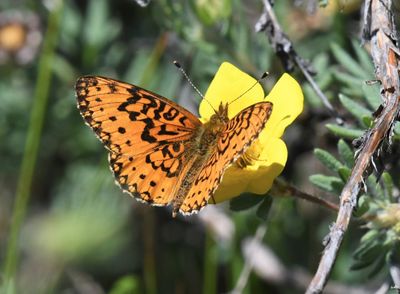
pixel 149 259
pixel 248 265
pixel 33 139
pixel 281 187
pixel 154 60
pixel 210 265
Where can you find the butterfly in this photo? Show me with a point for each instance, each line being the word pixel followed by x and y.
pixel 159 152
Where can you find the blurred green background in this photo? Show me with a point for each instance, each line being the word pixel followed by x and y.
pixel 79 233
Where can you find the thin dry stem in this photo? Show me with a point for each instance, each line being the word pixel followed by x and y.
pixel 281 187
pixel 245 273
pixel 285 51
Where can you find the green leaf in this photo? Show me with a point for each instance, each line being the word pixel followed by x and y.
pixel 345 132
pixel 360 264
pixel 355 91
pixel 367 121
pixel 169 83
pixel 321 63
pixel 374 188
pixel 264 208
pixel 97 15
pixel 397 129
pixel 8 286
pixel 354 108
pixel 388 185
pixel 327 183
pixel 328 159
pixel 391 238
pixel 323 3
pixel 210 11
pixel 346 153
pixel 371 95
pixel 98 30
pixel 362 207
pixel 311 97
pixel 368 250
pixel 348 62
pixel 370 235
pixel 379 264
pixel 62 68
pixel 245 201
pixel 126 285
pixel 324 80
pixel 137 66
pixel 344 173
pixel 349 80
pixel 363 57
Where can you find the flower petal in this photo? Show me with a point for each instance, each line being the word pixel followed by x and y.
pixel 271 163
pixel 267 155
pixel 228 84
pixel 288 99
pixel 256 179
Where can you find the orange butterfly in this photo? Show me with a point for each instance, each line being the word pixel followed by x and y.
pixel 159 152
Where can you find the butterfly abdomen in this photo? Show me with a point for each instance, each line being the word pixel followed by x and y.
pixel 187 182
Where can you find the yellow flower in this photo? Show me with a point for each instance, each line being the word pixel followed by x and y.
pixel 265 159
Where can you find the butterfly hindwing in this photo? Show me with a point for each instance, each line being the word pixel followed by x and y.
pixel 152 178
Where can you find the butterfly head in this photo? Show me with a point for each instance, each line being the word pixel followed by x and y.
pixel 221 115
pixel 219 119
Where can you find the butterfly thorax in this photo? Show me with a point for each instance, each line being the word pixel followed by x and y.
pixel 213 128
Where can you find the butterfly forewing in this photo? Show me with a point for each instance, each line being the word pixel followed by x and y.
pixel 237 136
pixel 129 119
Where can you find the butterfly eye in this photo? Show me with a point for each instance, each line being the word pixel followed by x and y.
pixel 215 119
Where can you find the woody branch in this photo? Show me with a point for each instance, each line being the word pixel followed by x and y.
pixel 380 31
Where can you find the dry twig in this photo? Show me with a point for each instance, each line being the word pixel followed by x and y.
pixel 282 188
pixel 395 274
pixel 285 51
pixel 379 29
pixel 245 273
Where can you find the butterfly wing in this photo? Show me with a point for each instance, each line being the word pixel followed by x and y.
pixel 144 132
pixel 118 112
pixel 238 135
pixel 153 177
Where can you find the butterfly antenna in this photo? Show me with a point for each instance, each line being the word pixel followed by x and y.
pixel 264 75
pixel 177 64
